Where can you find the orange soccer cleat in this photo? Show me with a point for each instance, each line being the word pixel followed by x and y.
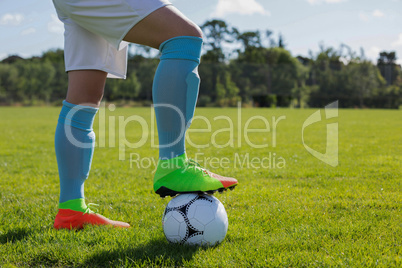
pixel 71 219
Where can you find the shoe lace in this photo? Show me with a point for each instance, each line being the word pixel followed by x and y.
pixel 196 166
pixel 91 207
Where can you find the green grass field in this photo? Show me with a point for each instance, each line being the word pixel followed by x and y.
pixel 297 214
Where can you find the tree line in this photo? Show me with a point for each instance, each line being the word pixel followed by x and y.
pixel 253 67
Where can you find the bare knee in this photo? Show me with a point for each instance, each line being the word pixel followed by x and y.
pixel 86 87
pixel 161 25
pixel 194 30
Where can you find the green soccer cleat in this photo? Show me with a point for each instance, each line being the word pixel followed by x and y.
pixel 181 175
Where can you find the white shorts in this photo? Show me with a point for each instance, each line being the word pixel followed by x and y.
pixel 94 30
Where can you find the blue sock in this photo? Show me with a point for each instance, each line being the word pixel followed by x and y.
pixel 175 92
pixel 74 144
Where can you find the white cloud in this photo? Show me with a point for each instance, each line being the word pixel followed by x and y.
pixel 3 56
pixel 55 25
pixel 27 31
pixel 365 16
pixel 398 42
pixel 241 7
pixel 378 13
pixel 316 2
pixel 11 19
pixel 373 53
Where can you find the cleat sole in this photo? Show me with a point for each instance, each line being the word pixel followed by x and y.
pixel 164 191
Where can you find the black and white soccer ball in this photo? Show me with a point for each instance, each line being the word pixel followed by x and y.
pixel 195 219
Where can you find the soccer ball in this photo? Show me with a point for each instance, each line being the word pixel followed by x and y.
pixel 195 219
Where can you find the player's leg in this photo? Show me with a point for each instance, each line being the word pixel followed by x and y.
pixel 175 92
pixel 74 145
pixel 175 87
pixel 87 62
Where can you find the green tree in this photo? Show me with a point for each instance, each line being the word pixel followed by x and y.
pixel 251 48
pixel 328 74
pixel 364 80
pixel 388 67
pixel 9 92
pixel 35 79
pixel 217 33
pixel 301 92
pixel 59 84
pixel 227 93
pixel 145 70
pixel 220 93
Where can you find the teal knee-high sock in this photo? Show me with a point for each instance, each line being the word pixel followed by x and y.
pixel 175 92
pixel 74 144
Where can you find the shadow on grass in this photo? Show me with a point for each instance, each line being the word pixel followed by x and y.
pixel 157 252
pixel 14 235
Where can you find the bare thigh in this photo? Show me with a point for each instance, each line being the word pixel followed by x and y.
pixel 86 87
pixel 161 25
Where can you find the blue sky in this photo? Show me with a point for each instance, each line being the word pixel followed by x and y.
pixel 30 27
